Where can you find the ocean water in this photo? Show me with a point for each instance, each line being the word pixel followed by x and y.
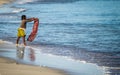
pixel 86 30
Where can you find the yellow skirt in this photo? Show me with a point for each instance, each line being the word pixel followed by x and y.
pixel 21 32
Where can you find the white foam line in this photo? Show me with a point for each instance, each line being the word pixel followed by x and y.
pixel 8 42
pixel 18 10
pixel 24 1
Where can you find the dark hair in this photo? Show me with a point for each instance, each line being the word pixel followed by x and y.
pixel 23 17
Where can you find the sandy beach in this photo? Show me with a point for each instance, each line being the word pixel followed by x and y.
pixel 11 67
pixel 5 1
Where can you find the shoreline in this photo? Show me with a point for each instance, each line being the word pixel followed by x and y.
pixel 29 56
pixel 5 1
pixel 10 66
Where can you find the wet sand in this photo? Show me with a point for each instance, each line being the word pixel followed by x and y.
pixel 11 67
pixel 47 64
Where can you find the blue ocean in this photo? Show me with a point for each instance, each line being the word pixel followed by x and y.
pixel 83 30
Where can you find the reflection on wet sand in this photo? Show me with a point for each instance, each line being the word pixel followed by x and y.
pixel 20 52
pixel 23 53
pixel 32 54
